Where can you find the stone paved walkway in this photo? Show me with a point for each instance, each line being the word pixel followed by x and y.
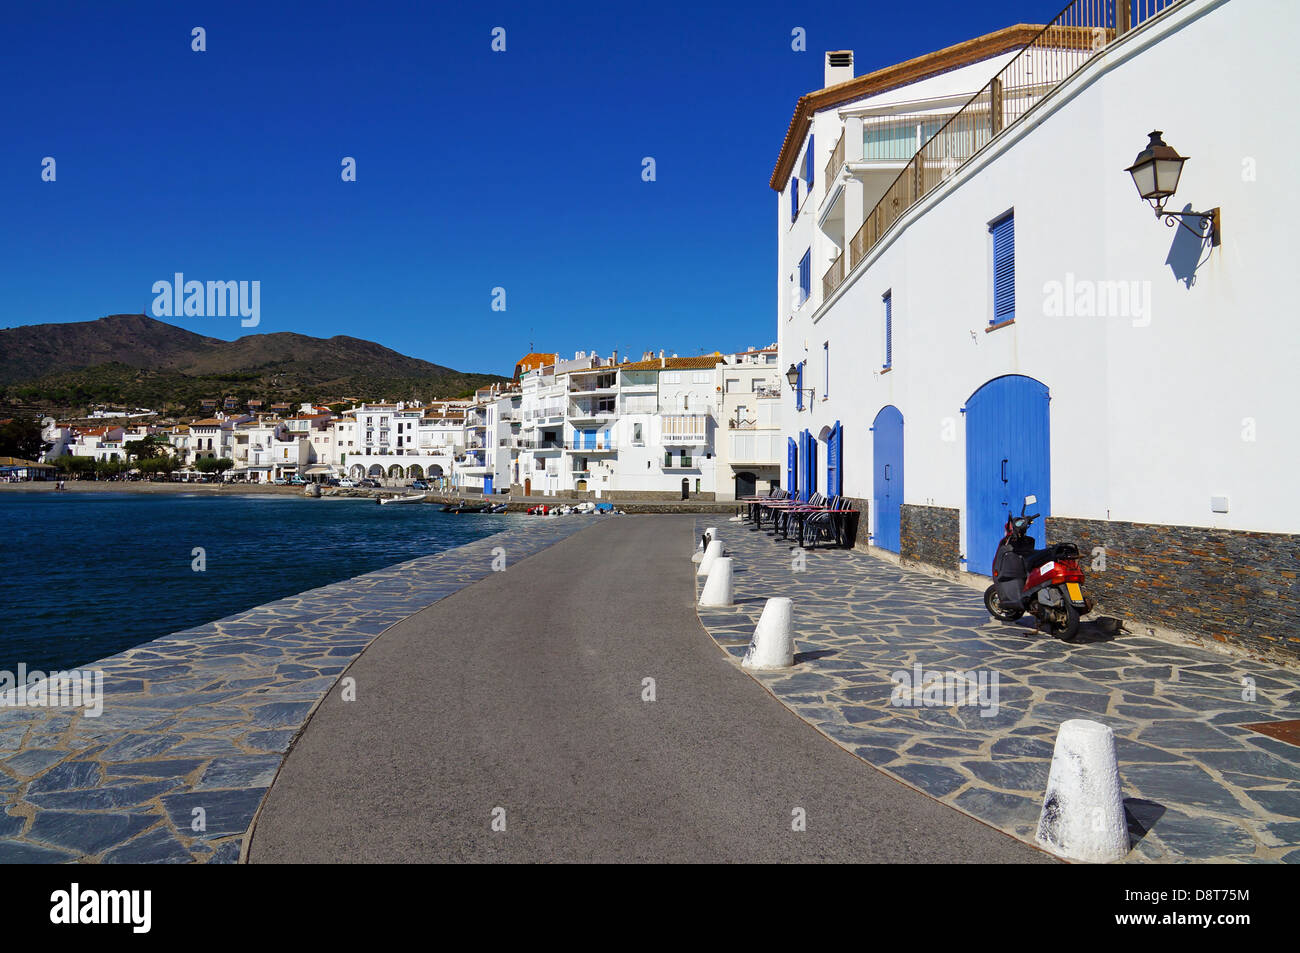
pixel 196 724
pixel 1197 785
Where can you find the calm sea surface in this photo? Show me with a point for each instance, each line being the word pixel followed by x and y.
pixel 87 575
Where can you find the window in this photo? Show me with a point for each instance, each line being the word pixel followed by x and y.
pixel 670 377
pixel 686 458
pixel 805 276
pixel 1004 269
pixel 637 440
pixel 702 377
pixel 668 458
pixel 888 300
pixel 733 385
pixel 808 169
pixel 798 388
pixel 794 197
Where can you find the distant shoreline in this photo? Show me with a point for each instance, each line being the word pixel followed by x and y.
pixel 144 486
pixel 516 504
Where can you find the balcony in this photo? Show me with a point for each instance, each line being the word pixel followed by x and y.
pixel 604 384
pixel 541 446
pixel 592 411
pixel 684 429
pixel 834 275
pixel 598 445
pixel 836 162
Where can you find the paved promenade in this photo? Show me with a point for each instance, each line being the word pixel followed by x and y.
pixel 522 701
pixel 1198 785
pixel 196 724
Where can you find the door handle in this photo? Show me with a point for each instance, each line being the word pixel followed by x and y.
pixel 1004 469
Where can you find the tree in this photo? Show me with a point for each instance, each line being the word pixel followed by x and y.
pixel 157 465
pixel 21 437
pixel 214 464
pixel 154 445
pixel 78 466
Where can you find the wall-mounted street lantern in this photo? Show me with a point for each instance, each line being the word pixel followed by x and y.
pixel 1155 172
pixel 792 375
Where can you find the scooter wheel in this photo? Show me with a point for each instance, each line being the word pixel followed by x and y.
pixel 1070 631
pixel 997 609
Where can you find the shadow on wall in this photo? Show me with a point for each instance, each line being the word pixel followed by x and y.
pixel 1188 251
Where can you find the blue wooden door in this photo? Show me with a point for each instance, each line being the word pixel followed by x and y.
pixel 887 459
pixel 487 486
pixel 1008 456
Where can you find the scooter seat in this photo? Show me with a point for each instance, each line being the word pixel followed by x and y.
pixel 1039 556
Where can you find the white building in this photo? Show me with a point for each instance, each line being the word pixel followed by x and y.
pixel 1002 315
pixel 750 445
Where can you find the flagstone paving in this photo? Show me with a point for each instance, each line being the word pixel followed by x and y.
pixel 1197 785
pixel 196 724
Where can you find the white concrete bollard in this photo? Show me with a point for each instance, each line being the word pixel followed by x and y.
pixel 713 552
pixel 1083 810
pixel 717 588
pixel 773 642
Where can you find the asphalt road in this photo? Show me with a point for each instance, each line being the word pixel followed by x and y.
pixel 524 693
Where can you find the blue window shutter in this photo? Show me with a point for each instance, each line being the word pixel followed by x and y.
pixel 791 465
pixel 809 162
pixel 798 389
pixel 812 464
pixel 805 276
pixel 1004 269
pixel 794 197
pixel 889 329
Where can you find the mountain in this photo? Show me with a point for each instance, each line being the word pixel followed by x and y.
pixel 134 359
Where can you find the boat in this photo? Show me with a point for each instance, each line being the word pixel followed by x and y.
pixel 472 508
pixel 419 498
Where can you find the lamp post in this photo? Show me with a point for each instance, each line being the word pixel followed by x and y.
pixel 792 375
pixel 1155 172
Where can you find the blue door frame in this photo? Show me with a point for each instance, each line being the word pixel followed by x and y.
pixel 1008 457
pixel 887 461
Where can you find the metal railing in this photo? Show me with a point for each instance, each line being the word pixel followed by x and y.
pixel 596 445
pixel 834 275
pixel 898 137
pixel 1083 29
pixel 836 163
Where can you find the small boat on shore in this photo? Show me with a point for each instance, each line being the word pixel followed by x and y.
pixel 403 499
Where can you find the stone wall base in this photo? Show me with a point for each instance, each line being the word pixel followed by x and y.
pixel 1225 586
pixel 931 535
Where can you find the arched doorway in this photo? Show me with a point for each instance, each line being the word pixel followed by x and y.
pixel 376 472
pixel 415 472
pixel 1008 457
pixel 358 472
pixel 887 476
pixel 394 472
pixel 746 485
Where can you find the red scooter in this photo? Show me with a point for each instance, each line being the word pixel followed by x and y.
pixel 1047 583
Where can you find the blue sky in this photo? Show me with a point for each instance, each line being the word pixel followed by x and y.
pixel 475 169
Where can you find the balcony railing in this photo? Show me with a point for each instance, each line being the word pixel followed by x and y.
pixel 897 137
pixel 834 275
pixel 541 413
pixel 598 445
pixel 691 429
pixel 1081 31
pixel 836 163
pixel 592 411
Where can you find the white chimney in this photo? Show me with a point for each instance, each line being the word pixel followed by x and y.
pixel 839 66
